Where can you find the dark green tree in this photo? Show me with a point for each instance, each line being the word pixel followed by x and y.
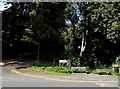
pixel 47 20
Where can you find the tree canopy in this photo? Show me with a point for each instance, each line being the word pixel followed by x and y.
pixel 87 33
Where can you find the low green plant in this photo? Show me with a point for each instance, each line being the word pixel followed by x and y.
pixel 59 69
pixel 55 73
pixel 65 71
pixel 51 69
pixel 36 69
pixel 79 71
pixel 94 71
pixel 103 73
pixel 115 73
pixel 39 64
pixel 88 72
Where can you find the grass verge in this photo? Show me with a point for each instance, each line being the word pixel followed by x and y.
pixel 55 73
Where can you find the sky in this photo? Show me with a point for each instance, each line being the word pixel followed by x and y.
pixel 4 5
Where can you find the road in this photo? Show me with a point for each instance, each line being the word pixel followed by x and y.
pixel 14 80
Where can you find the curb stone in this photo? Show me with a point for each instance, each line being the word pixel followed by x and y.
pixel 55 79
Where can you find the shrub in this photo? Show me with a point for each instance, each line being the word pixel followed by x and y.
pixel 94 71
pixel 115 73
pixel 79 71
pixel 88 72
pixel 103 73
pixel 49 68
pixel 59 69
pixel 65 71
pixel 110 73
pixel 39 64
pixel 36 69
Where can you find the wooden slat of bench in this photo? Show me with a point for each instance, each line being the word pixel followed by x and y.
pixel 78 68
pixel 102 70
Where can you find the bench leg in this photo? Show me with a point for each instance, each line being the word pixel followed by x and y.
pixel 113 69
pixel 119 70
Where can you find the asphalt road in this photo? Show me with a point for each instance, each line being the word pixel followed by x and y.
pixel 14 80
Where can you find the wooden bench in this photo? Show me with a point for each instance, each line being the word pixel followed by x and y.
pixel 116 65
pixel 79 68
pixel 102 70
pixel 21 66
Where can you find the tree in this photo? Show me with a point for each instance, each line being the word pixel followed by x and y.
pixel 47 20
pixel 97 26
pixel 14 23
pixel 15 20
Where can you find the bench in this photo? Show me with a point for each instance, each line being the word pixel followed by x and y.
pixel 21 66
pixel 2 63
pixel 79 68
pixel 116 65
pixel 102 70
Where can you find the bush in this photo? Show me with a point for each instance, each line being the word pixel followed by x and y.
pixel 79 71
pixel 103 73
pixel 40 64
pixel 59 69
pixel 49 68
pixel 36 69
pixel 110 73
pixel 65 71
pixel 94 71
pixel 88 72
pixel 115 73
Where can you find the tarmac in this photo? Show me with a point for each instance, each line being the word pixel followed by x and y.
pixel 75 77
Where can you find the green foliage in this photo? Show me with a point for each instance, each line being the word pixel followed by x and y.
pixel 103 73
pixel 117 61
pixel 94 30
pixel 75 61
pixel 115 73
pixel 69 39
pixel 38 68
pixel 100 23
pixel 40 64
pixel 26 38
pixel 79 71
pixel 94 71
pixel 88 72
pixel 55 73
pixel 59 69
pixel 50 69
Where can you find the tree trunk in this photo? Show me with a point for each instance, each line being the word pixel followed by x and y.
pixel 83 45
pixel 38 59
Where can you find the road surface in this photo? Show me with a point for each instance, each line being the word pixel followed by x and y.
pixel 14 80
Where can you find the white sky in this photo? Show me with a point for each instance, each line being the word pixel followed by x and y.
pixel 4 6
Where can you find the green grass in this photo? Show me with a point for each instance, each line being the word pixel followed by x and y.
pixel 36 69
pixel 51 70
pixel 55 73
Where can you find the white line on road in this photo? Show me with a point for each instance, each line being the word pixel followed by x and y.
pixel 107 84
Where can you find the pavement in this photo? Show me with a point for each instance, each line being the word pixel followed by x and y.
pixel 26 78
pixel 76 77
